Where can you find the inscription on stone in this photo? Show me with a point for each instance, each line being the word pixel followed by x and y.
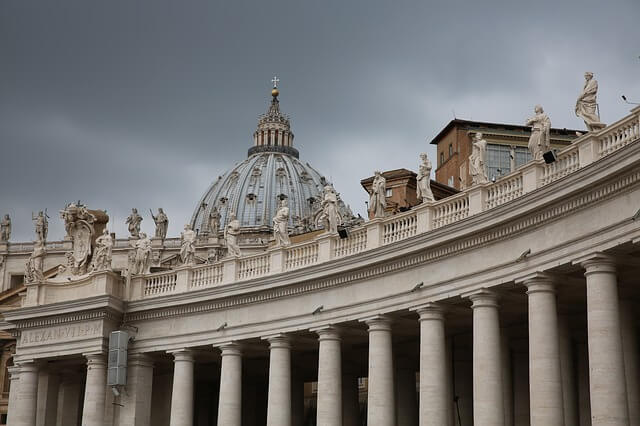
pixel 61 333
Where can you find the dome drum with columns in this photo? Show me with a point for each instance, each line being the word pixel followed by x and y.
pixel 253 188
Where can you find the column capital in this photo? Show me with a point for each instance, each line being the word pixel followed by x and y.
pixel 538 282
pixel 14 372
pixel 482 298
pixel 96 360
pixel 430 311
pixel 378 322
pixel 230 348
pixel 328 332
pixel 28 365
pixel 185 355
pixel 596 262
pixel 278 341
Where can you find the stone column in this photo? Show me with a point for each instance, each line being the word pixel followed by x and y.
pixel 569 392
pixel 279 395
pixel 27 399
pixel 136 398
pixel 95 390
pixel 182 392
pixel 381 399
pixel 608 391
pixel 329 377
pixel 230 402
pixel 488 403
pixel 630 348
pixel 434 405
pixel 545 378
pixel 14 383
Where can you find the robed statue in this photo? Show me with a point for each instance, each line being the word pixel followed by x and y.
pixel 329 207
pixel 188 245
pixel 133 222
pixel 5 228
pixel 281 224
pixel 540 139
pixel 103 253
pixel 586 104
pixel 142 257
pixel 377 197
pixel 478 160
pixel 162 223
pixel 423 179
pixel 42 225
pixel 34 269
pixel 214 221
pixel 231 232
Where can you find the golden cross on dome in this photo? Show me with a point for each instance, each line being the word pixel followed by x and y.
pixel 275 80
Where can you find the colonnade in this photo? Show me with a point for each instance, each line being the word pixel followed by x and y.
pixel 612 373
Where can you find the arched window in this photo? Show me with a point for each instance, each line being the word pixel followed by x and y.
pixel 450 150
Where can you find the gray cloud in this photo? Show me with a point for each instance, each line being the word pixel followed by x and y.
pixel 143 103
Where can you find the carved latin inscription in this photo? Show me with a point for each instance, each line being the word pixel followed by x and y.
pixel 62 333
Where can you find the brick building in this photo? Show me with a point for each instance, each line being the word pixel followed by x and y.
pixel 506 149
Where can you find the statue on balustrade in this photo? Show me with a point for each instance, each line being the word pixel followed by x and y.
pixel 5 228
pixel 103 252
pixel 214 221
pixel 424 179
pixel 34 270
pixel 586 104
pixel 42 225
pixel 231 232
pixel 162 223
pixel 329 207
pixel 188 245
pixel 142 258
pixel 281 224
pixel 378 196
pixel 540 139
pixel 478 160
pixel 133 222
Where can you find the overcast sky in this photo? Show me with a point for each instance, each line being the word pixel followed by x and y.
pixel 143 103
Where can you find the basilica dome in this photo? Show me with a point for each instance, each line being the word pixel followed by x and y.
pixel 253 188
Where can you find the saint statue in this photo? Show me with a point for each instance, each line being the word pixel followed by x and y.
pixel 280 224
pixel 424 179
pixel 188 245
pixel 540 139
pixel 477 160
pixel 231 232
pixel 5 228
pixel 142 259
pixel 162 223
pixel 214 221
pixel 103 252
pixel 329 207
pixel 42 225
pixel 34 270
pixel 586 105
pixel 377 197
pixel 134 221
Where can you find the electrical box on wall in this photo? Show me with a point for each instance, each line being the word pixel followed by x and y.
pixel 117 366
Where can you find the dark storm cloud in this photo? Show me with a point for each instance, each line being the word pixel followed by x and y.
pixel 142 103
